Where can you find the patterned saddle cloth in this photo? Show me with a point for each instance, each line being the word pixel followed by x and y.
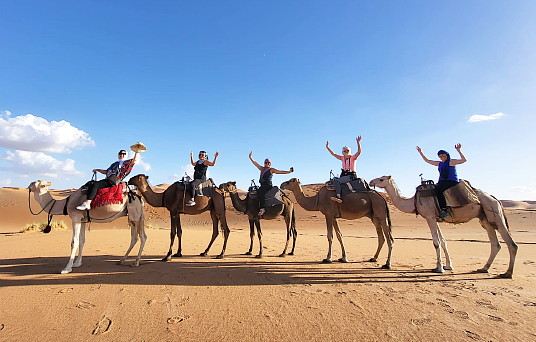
pixel 111 195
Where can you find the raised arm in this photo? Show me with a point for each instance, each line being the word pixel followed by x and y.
pixel 209 163
pixel 279 172
pixel 332 153
pixel 453 162
pixel 192 158
pixel 431 162
pixel 358 153
pixel 253 161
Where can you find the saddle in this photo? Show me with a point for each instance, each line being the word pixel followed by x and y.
pixel 274 196
pixel 460 195
pixel 355 185
pixel 203 189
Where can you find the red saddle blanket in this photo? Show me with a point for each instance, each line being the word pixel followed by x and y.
pixel 112 195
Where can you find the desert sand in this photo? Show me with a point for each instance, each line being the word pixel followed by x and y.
pixel 240 298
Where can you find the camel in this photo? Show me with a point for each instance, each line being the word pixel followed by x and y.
pixel 490 212
pixel 354 206
pixel 173 199
pixel 132 208
pixel 250 207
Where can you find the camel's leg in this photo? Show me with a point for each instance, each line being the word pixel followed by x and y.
pixel 434 227
pixel 339 237
pixel 259 234
pixel 251 235
pixel 329 235
pixel 74 246
pixel 381 239
pixel 493 240
pixel 385 230
pixel 179 238
pixel 174 218
pixel 289 233
pixel 133 241
pixel 226 232
pixel 512 247
pixel 82 241
pixel 294 231
pixel 140 229
pixel 215 232
pixel 443 242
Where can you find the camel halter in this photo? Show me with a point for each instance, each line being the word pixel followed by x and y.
pixel 48 228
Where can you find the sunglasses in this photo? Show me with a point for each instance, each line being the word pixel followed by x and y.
pixel 122 154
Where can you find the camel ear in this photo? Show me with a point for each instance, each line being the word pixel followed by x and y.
pixel 233 183
pixel 146 177
pixel 388 177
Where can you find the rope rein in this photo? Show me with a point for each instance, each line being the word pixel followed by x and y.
pixel 44 207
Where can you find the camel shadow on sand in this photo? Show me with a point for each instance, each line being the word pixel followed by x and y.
pixel 236 270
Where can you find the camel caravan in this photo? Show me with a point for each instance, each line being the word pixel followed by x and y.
pixel 347 196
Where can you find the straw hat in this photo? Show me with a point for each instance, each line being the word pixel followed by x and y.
pixel 138 147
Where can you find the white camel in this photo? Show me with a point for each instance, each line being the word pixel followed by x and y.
pixel 133 208
pixel 490 213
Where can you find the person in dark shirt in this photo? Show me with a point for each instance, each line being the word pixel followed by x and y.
pixel 200 172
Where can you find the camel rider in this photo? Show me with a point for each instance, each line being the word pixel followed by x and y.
pixel 265 180
pixel 114 175
pixel 348 167
pixel 447 175
pixel 200 172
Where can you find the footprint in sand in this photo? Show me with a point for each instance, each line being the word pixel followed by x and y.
pixel 420 321
pixel 461 314
pixel 2 327
pixel 473 335
pixel 85 305
pixel 176 319
pixel 486 303
pixel 66 290
pixel 103 326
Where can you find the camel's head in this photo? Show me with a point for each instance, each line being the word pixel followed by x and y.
pixel 140 181
pixel 39 186
pixel 381 182
pixel 292 183
pixel 228 187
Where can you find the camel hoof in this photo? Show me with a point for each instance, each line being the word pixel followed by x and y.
pixel 77 264
pixel 326 261
pixel 120 262
pixel 177 255
pixel 65 271
pixel 373 260
pixel 481 270
pixel 248 253
pixel 438 270
pixel 343 260
pixel 258 256
pixel 505 276
pixel 218 256
pixel 386 267
pixel 203 254
pixel 282 255
pixel 166 259
pixel 136 264
pixel 291 253
pixel 448 268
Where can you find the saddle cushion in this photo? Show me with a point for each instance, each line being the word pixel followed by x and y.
pixel 111 195
pixel 273 196
pixel 204 189
pixel 356 185
pixel 461 194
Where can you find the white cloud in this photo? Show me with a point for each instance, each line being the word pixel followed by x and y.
pixel 5 182
pixel 39 163
pixel 5 113
pixel 479 117
pixel 524 189
pixel 36 134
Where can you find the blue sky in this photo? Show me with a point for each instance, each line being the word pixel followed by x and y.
pixel 80 80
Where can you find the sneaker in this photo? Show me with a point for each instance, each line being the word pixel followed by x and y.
pixel 190 203
pixel 84 206
pixel 261 212
pixel 336 199
pixel 443 213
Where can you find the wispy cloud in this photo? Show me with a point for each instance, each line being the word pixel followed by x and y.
pixel 39 163
pixel 36 134
pixel 524 189
pixel 5 182
pixel 479 117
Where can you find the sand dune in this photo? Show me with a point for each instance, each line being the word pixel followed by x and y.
pixel 240 298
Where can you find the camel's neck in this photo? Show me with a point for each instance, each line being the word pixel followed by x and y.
pixel 50 205
pixel 309 203
pixel 153 198
pixel 404 204
pixel 238 204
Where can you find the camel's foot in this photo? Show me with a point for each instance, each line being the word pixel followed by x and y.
pixel 482 270
pixel 120 262
pixel 326 261
pixel 448 268
pixel 166 258
pixel 77 264
pixel 373 260
pixel 506 275
pixel 248 253
pixel 66 270
pixel 282 255
pixel 439 270
pixel 291 253
pixel 258 256
pixel 135 263
pixel 343 260
pixel 386 267
pixel 203 254
pixel 177 255
pixel 219 256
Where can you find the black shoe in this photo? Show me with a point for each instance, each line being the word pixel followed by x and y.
pixel 443 213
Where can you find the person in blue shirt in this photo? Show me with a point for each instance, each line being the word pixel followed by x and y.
pixel 448 176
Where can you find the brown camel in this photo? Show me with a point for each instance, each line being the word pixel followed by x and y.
pixel 490 212
pixel 354 206
pixel 250 207
pixel 133 208
pixel 173 198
